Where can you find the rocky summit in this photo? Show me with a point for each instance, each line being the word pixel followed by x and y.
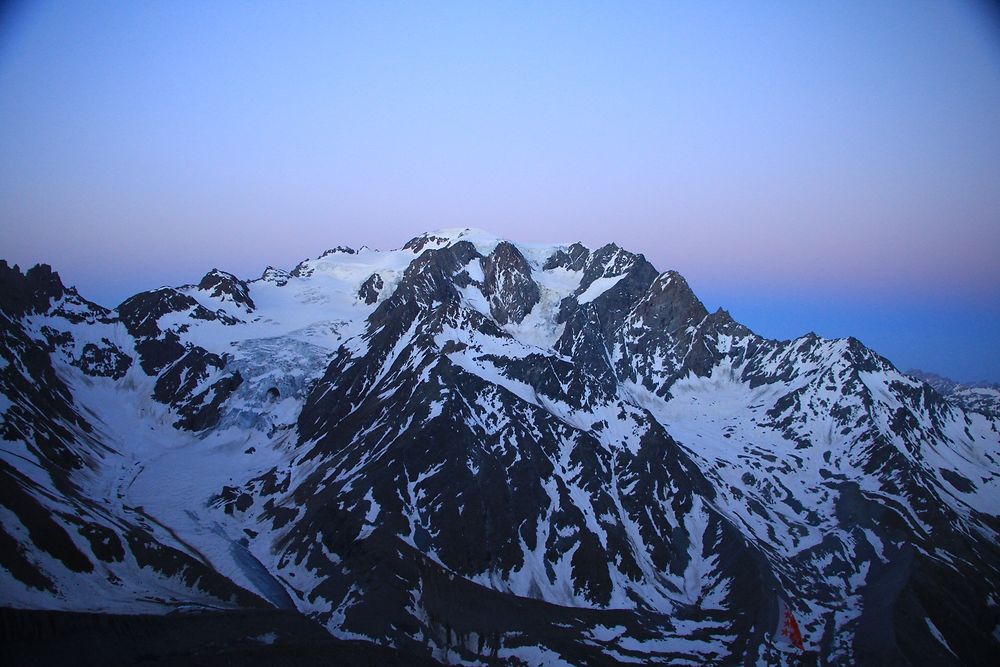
pixel 473 450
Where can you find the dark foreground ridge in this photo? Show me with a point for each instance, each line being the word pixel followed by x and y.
pixel 247 638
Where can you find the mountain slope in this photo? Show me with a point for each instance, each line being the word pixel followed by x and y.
pixel 479 450
pixel 983 398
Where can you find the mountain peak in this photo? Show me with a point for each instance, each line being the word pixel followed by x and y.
pixel 339 250
pixel 31 291
pixel 227 287
pixel 40 290
pixel 440 238
pixel 980 397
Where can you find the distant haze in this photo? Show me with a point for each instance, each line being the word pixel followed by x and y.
pixel 832 167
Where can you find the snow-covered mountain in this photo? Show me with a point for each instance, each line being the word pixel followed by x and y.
pixel 482 450
pixel 982 397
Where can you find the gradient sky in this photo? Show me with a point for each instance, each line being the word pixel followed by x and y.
pixel 832 167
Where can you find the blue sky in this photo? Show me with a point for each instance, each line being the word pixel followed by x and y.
pixel 832 167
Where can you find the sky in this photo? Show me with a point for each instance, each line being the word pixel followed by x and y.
pixel 827 167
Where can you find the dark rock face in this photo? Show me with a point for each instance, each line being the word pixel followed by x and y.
pixel 141 313
pixel 508 285
pixel 669 306
pixel 156 353
pixel 277 276
pixel 179 386
pixel 40 290
pixel 659 340
pixel 370 289
pixel 635 275
pixel 341 249
pixel 227 287
pixel 418 243
pixel 31 292
pixel 42 413
pixel 104 360
pixel 304 270
pixel 574 258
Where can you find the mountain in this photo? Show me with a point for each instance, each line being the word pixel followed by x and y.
pixel 483 451
pixel 981 397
